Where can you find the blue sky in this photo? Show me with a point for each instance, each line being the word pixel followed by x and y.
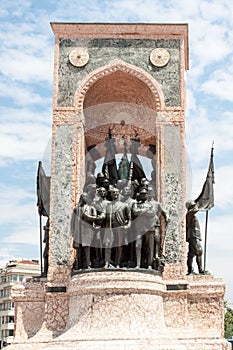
pixel 26 69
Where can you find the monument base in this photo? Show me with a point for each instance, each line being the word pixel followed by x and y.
pixel 121 309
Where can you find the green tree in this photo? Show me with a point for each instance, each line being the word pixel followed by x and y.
pixel 228 322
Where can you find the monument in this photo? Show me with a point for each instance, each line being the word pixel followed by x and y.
pixel 116 274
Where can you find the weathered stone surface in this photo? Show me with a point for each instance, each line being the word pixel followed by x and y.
pixel 173 192
pixel 122 309
pixel 105 51
pixel 61 194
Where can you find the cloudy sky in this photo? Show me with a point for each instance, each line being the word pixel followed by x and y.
pixel 26 68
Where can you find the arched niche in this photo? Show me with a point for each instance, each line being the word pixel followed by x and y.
pixel 124 99
pixel 120 86
pixel 132 85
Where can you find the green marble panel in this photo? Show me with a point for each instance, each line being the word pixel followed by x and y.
pixel 133 51
pixel 173 193
pixel 62 195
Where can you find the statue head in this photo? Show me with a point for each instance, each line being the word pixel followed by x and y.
pixel 91 191
pixel 114 192
pixel 105 183
pixel 100 175
pixel 120 184
pixel 151 192
pixel 143 194
pixel 100 178
pixel 83 198
pixel 102 192
pixel 191 205
pixel 145 182
pixel 127 191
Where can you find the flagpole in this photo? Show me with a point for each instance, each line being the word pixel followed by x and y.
pixel 206 225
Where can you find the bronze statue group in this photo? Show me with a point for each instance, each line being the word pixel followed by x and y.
pixel 118 223
pixel 117 226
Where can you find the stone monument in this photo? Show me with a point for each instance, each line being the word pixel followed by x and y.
pixel 114 281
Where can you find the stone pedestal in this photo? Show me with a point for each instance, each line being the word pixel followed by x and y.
pixel 121 309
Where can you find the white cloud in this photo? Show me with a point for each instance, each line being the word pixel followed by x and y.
pixel 214 11
pixel 206 125
pixel 19 65
pixel 21 94
pixel 220 84
pixel 17 9
pixel 219 227
pixel 21 200
pixel 27 234
pixel 191 103
pixel 22 115
pixel 19 221
pixel 24 142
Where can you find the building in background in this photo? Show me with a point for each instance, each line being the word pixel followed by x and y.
pixel 14 271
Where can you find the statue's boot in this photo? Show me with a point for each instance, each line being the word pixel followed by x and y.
pixel 138 255
pixel 107 257
pixel 118 256
pixel 87 256
pixel 199 264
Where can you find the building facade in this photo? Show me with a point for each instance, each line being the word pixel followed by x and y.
pixel 13 272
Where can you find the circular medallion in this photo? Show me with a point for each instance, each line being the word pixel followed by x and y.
pixel 79 56
pixel 159 57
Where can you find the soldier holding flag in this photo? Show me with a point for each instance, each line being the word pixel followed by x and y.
pixel 193 237
pixel 204 202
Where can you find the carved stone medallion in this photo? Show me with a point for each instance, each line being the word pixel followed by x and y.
pixel 159 57
pixel 79 56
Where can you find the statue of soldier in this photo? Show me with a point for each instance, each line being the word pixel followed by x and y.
pixel 155 243
pixel 100 204
pixel 126 197
pixel 82 229
pixel 140 211
pixel 193 237
pixel 118 220
pixel 147 215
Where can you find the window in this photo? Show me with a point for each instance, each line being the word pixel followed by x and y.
pixel 11 319
pixel 14 278
pixel 21 278
pixel 7 292
pixel 11 332
pixel 5 306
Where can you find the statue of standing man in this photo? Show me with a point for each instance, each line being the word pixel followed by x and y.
pixel 147 214
pixel 118 221
pixel 193 237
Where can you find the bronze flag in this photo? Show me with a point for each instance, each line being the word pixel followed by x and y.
pixel 205 201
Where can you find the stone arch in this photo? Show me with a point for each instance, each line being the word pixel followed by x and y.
pixel 99 113
pixel 124 69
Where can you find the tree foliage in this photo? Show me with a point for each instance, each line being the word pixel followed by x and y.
pixel 228 322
